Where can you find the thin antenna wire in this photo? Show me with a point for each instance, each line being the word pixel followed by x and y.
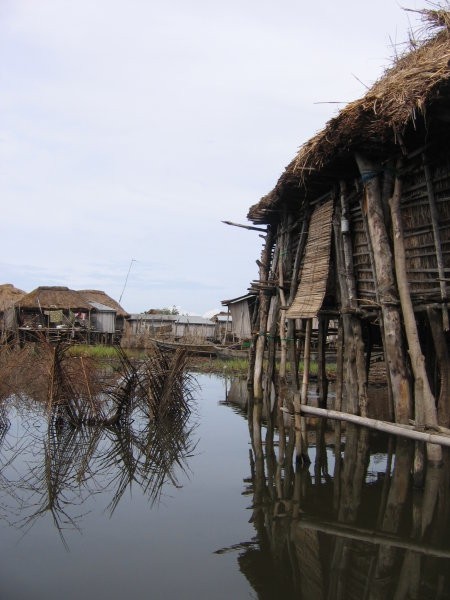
pixel 126 278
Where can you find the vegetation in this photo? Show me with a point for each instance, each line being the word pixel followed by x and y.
pixel 76 388
pixel 163 311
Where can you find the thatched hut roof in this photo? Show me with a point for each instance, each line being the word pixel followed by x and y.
pixel 9 295
pixel 102 298
pixel 412 95
pixel 56 297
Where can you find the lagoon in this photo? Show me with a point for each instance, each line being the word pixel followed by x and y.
pixel 96 514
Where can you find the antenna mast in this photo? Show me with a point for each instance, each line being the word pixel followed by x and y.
pixel 126 278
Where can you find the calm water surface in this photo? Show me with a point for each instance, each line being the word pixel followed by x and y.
pixel 223 513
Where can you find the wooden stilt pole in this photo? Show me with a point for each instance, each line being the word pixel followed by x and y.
pixel 437 243
pixel 349 378
pixel 306 362
pixel 443 363
pixel 282 312
pixel 424 400
pixel 322 381
pixel 264 306
pixel 292 354
pixel 395 353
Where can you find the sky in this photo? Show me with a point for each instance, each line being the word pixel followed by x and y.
pixel 130 129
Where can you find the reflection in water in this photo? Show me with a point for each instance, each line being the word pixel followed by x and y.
pixel 351 525
pixel 60 469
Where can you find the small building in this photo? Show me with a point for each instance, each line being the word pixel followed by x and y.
pixel 54 311
pixel 9 295
pixel 140 328
pixel 103 323
pixel 98 299
pixel 224 327
pixel 151 324
pixel 193 327
pixel 241 310
pixel 57 312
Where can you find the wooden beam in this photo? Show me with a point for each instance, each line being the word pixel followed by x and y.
pixel 402 430
pixel 249 227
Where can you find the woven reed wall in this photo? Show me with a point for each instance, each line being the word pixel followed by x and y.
pixel 365 282
pixel 314 270
pixel 421 262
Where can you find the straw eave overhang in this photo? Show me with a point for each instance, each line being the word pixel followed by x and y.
pixel 411 95
pixel 54 297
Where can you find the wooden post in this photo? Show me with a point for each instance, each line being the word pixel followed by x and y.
pixel 395 354
pixel 437 243
pixel 301 442
pixel 388 185
pixel 424 400
pixel 322 381
pixel 264 306
pixel 306 362
pixel 283 242
pixel 271 359
pixel 349 378
pixel 443 363
pixel 292 351
pixel 352 303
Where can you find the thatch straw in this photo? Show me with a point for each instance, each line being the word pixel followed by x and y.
pixel 9 295
pixel 103 298
pixel 377 119
pixel 56 297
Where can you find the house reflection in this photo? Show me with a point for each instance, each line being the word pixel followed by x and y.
pixel 348 525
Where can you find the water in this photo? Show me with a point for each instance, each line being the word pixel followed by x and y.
pixel 88 515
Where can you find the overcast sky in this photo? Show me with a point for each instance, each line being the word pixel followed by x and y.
pixel 131 129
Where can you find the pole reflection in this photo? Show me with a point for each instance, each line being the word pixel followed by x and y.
pixel 363 532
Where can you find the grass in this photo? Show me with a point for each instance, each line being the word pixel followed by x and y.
pixel 103 352
pixel 200 364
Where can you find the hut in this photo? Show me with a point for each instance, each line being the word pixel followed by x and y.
pixel 141 328
pixel 115 322
pixel 192 327
pixel 357 229
pixel 241 310
pixel 9 295
pixel 223 332
pixel 54 311
pixel 103 322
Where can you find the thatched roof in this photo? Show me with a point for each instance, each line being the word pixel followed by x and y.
pixel 102 298
pixel 9 295
pixel 56 297
pixel 399 103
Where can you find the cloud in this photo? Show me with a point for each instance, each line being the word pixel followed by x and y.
pixel 132 129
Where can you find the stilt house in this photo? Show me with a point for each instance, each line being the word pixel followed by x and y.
pixel 9 295
pixel 358 230
pixel 57 312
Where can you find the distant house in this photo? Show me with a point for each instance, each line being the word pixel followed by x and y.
pixel 223 331
pixel 58 312
pixel 142 326
pixel 241 310
pixel 190 326
pixel 103 320
pixel 9 295
pixel 152 324
pixel 55 309
pixel 98 299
